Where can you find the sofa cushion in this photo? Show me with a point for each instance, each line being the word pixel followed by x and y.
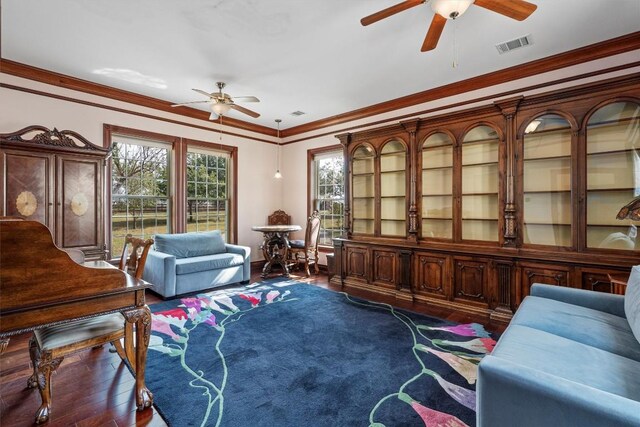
pixel 207 262
pixel 632 301
pixel 187 245
pixel 585 325
pixel 571 360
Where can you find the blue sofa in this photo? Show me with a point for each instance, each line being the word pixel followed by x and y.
pixel 570 357
pixel 183 263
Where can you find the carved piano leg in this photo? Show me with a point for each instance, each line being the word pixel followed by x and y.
pixel 45 367
pixel 4 342
pixel 141 316
pixel 34 353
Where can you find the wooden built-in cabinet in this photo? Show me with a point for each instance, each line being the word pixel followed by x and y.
pixel 56 178
pixel 468 210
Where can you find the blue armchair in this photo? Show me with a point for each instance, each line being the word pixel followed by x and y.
pixel 189 262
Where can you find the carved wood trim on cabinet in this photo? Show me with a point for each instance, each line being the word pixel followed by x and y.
pixel 56 178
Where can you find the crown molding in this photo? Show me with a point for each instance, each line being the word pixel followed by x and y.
pixel 618 45
pixel 68 82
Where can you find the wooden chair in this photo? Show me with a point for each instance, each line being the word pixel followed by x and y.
pixel 279 217
pixel 306 251
pixel 49 345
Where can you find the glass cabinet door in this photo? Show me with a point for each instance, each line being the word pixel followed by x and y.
pixel 362 190
pixel 480 184
pixel 437 186
pixel 613 175
pixel 393 184
pixel 547 181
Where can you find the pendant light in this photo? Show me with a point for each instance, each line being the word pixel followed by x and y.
pixel 278 175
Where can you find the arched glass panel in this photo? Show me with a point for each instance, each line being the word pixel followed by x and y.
pixel 613 175
pixel 480 208
pixel 362 190
pixel 393 205
pixel 547 181
pixel 437 186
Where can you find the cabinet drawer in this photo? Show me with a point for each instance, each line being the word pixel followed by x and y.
pixel 357 263
pixel 431 275
pixel 549 274
pixel 385 268
pixel 471 280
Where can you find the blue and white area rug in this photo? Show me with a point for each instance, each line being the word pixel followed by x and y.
pixel 285 353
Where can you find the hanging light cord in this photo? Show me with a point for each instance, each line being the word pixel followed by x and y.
pixel 455 46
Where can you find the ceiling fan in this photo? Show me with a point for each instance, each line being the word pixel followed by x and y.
pixel 451 9
pixel 221 102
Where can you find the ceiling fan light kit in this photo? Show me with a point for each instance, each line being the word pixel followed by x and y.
pixel 222 103
pixel 451 9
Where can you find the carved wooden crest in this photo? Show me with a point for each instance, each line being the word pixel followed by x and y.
pixel 40 135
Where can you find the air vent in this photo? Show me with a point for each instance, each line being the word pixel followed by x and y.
pixel 298 113
pixel 510 45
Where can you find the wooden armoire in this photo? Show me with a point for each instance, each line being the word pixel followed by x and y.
pixel 56 178
pixel 467 210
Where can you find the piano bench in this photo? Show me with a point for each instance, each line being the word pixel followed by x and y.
pixel 49 345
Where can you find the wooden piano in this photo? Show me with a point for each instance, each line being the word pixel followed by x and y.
pixel 40 285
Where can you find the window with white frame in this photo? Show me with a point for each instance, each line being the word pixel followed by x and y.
pixel 140 189
pixel 208 185
pixel 328 192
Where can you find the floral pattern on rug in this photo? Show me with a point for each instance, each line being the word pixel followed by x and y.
pixel 464 362
pixel 215 310
pixel 460 346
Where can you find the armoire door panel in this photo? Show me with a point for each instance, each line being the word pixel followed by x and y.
pixel 28 186
pixel 431 277
pixel 79 182
pixel 385 268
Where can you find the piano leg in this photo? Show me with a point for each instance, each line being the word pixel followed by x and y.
pixel 141 317
pixel 4 342
pixel 46 364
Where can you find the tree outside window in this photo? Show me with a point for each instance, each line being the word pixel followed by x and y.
pixel 139 191
pixel 329 194
pixel 207 192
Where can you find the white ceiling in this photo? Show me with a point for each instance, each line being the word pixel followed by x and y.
pixel 308 55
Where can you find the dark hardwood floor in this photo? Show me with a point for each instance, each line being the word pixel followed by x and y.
pixel 93 388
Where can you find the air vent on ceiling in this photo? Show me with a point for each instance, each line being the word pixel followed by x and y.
pixel 510 45
pixel 298 113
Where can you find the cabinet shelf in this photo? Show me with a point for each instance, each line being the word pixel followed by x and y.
pixel 479 219
pixel 546 223
pixel 533 159
pixel 437 168
pixel 363 174
pixel 604 190
pixel 492 163
pixel 545 191
pixel 601 153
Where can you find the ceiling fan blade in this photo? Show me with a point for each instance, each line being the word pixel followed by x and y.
pixel 515 9
pixel 187 103
pixel 203 92
pixel 245 110
pixel 407 4
pixel 433 35
pixel 245 98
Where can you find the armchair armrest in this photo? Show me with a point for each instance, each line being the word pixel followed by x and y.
pixel 608 303
pixel 510 394
pixel 245 251
pixel 160 271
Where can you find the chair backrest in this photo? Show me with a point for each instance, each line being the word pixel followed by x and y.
pixel 134 255
pixel 313 231
pixel 279 217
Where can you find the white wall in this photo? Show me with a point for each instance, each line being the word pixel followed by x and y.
pixel 258 192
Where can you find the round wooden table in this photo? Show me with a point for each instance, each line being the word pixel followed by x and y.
pixel 275 246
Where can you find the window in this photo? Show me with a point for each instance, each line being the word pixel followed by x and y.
pixel 207 191
pixel 140 189
pixel 327 184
